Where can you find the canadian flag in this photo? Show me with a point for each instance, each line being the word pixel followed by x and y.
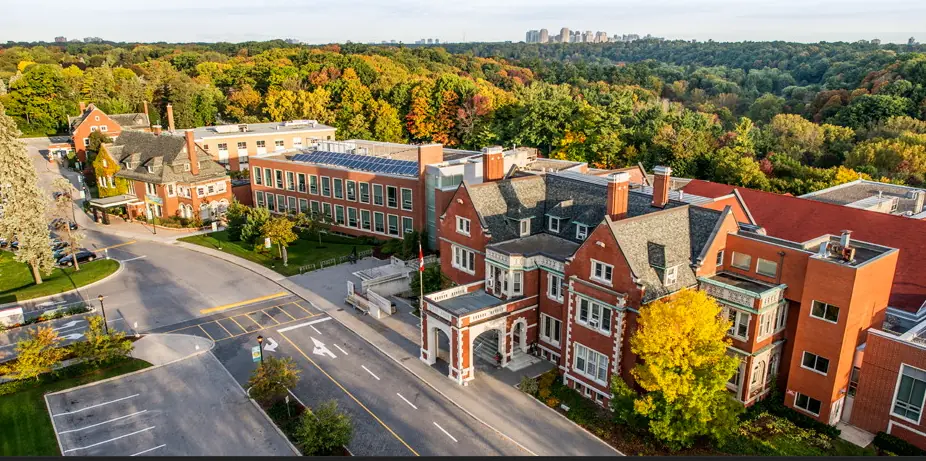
pixel 420 258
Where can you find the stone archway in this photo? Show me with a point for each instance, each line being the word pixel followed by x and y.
pixel 519 335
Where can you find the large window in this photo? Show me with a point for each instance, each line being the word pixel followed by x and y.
pixel 554 287
pixel 365 223
pixel 392 197
pixel 602 272
pixel 326 208
pixel 734 382
pixel 739 327
pixel 281 203
pixel 379 223
pixel 351 190
pixel 594 315
pixel 339 214
pixel 326 186
pixel 339 188
pixel 517 283
pixel 291 204
pixel 591 364
pixel 767 268
pixel 408 225
pixel 406 199
pixel 303 205
pixel 259 198
pixel 550 329
pixel 257 176
pixel 742 261
pixel 808 404
pixel 271 204
pixel 290 180
pixel 378 194
pixel 313 184
pixel 393 225
pixel 464 260
pixel 910 394
pixel 824 311
pixel 279 176
pixel 316 207
pixel 351 217
pixel 816 363
pixel 772 321
pixel 463 225
pixel 719 258
pixel 301 182
pixel 268 177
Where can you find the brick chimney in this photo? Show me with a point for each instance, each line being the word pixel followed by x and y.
pixel 191 152
pixel 170 118
pixel 493 164
pixel 429 154
pixel 156 129
pixel 661 181
pixel 618 191
pixel 83 107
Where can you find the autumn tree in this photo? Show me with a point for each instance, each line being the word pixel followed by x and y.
pixel 64 211
pixel 683 368
pixel 24 203
pixel 279 229
pixel 324 430
pixel 271 379
pixel 98 347
pixel 38 354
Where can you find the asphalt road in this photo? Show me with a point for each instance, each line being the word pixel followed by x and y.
pixel 70 329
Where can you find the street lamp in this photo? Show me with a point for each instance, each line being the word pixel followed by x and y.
pixel 105 323
pixel 260 345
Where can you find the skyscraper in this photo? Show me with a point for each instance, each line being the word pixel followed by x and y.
pixel 544 36
pixel 564 34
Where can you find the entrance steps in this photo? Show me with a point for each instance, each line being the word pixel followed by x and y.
pixel 485 347
pixel 520 360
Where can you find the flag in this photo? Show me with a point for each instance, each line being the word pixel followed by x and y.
pixel 420 258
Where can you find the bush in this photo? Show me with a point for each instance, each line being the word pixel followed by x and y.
pixel 528 385
pixel 774 404
pixel 324 431
pixel 552 402
pixel 271 380
pixel 896 445
pixel 100 347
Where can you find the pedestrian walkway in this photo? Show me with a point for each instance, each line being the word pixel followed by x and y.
pixel 164 348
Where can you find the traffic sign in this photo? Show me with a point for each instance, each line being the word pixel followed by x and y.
pixel 255 353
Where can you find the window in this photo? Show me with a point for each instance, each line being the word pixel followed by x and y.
pixel 279 176
pixel 393 225
pixel 351 217
pixel 86 142
pixel 290 180
pixel 200 192
pixel 223 146
pixel 365 219
pixel 720 257
pixel 671 276
pixel 550 329
pixel 300 183
pixel 259 198
pixel 408 225
pixel 824 311
pixel 170 188
pixel 594 315
pixel 315 207
pixel 516 285
pixel 93 129
pixel 910 394
pixel 364 192
pixel 525 227
pixel 781 317
pixel 378 194
pixel 464 260
pixel 268 177
pixel 326 209
pixel 303 205
pixel 271 204
pixel 257 176
pixel 742 261
pixel 739 328
pixel 554 287
pixel 392 197
pixel 281 203
pixel 591 364
pixel 339 214
pixel 736 379
pixel 553 224
pixel 758 374
pixel 351 190
pixel 602 272
pixel 406 199
pixel 151 189
pixel 378 223
pixel 767 268
pixel 104 128
pixel 261 144
pixel 808 404
pixel 581 231
pixel 463 225
pixel 313 184
pixel 278 144
pixel 339 188
pixel 242 146
pixel 816 363
pixel 326 186
pixel 291 202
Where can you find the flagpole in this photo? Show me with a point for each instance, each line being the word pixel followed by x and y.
pixel 420 278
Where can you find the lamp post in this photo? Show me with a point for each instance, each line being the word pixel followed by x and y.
pixel 260 344
pixel 105 323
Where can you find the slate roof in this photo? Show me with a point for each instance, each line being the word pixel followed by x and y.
pixel 133 121
pixel 166 155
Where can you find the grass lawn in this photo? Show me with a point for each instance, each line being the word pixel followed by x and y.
pixel 16 282
pixel 301 252
pixel 27 429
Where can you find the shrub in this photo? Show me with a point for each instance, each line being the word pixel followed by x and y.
pixel 100 347
pixel 774 404
pixel 552 402
pixel 324 430
pixel 528 385
pixel 271 380
pixel 889 443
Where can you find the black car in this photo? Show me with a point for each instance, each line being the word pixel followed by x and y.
pixel 58 245
pixel 82 255
pixel 58 223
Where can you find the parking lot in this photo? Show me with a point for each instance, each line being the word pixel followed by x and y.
pixel 231 323
pixel 188 408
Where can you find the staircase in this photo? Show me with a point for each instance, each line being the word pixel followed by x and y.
pixel 520 360
pixel 485 347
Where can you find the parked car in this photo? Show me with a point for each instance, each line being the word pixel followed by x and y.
pixel 59 245
pixel 58 254
pixel 82 255
pixel 58 223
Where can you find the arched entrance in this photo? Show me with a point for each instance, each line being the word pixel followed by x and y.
pixel 488 349
pixel 519 335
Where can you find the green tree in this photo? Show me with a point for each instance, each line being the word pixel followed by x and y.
pixel 279 229
pixel 433 280
pixel 272 379
pixel 25 221
pixel 97 139
pixel 315 224
pixel 237 216
pixel 254 222
pixel 324 431
pixel 35 98
pixel 99 347
pixel 38 354
pixel 683 368
pixel 64 210
pixel 765 108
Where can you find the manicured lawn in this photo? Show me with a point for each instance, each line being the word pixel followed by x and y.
pixel 26 427
pixel 16 282
pixel 301 252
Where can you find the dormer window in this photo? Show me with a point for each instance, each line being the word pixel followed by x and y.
pixel 186 167
pixel 150 169
pixel 671 276
pixel 581 231
pixel 524 227
pixel 553 224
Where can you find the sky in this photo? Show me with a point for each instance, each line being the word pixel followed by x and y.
pixel 337 21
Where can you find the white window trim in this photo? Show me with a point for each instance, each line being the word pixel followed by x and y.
pixel 738 387
pixel 544 319
pixel 369 199
pixel 104 128
pixel 397 197
pixel 321 186
pixel 517 288
pixel 521 231
pixel 356 218
pixel 305 185
pixel 373 225
pixel 258 179
pixel 318 185
pixel 796 394
pixel 823 318
pixel 720 255
pixel 343 215
pixel 897 389
pixel 737 322
pixel 604 308
pixel 584 373
pixel 398 225
pixel 369 220
pixel 803 353
pixel 408 229
pixel 411 204
pixel 335 189
pixel 671 276
pixel 550 221
pixel 464 257
pixel 281 185
pixel 581 231
pixel 464 230
pixel 603 271
pixel 382 194
pixel 550 284
pixel 347 183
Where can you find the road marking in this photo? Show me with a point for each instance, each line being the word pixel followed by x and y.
pixel 242 303
pixel 342 350
pixel 406 400
pixel 248 315
pixel 245 330
pixel 316 329
pixel 132 259
pixel 150 449
pixel 350 395
pixel 206 332
pixel 290 328
pixel 117 246
pixel 271 317
pixel 104 422
pixel 300 307
pixel 223 327
pixel 370 372
pixel 97 405
pixel 445 432
pixel 287 313
pixel 110 440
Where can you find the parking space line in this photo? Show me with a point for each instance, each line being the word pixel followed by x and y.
pixel 223 327
pixel 287 313
pixel 110 440
pixel 245 330
pixel 104 422
pixel 370 372
pixel 262 327
pixel 349 394
pixel 150 449
pixel 300 307
pixel 259 326
pixel 241 303
pixel 445 432
pixel 342 350
pixel 271 317
pixel 97 405
pixel 206 332
pixel 181 329
pixel 406 400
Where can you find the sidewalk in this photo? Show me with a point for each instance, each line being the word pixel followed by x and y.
pixel 161 349
pixel 495 403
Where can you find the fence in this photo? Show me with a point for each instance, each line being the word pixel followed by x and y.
pixel 333 261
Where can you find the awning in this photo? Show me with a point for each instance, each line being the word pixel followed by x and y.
pixel 117 200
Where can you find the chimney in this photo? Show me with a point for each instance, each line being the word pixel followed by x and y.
pixel 170 118
pixel 145 106
pixel 429 154
pixel 618 190
pixel 918 199
pixel 191 152
pixel 493 165
pixel 661 181
pixel 845 238
pixel 83 107
pixel 156 129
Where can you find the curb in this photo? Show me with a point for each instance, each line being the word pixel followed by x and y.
pixel 76 290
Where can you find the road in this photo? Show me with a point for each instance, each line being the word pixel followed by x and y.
pixel 70 329
pixel 393 413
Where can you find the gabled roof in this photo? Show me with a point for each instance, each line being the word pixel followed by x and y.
pixel 166 155
pixel 798 219
pixel 131 121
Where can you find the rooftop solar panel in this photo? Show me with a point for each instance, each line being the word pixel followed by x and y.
pixel 360 162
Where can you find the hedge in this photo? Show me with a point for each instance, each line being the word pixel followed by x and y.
pixel 896 445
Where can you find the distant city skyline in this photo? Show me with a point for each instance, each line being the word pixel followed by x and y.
pixel 366 21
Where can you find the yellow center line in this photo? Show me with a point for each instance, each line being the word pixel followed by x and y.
pixel 223 327
pixel 117 246
pixel 206 332
pixel 271 317
pixel 349 394
pixel 241 303
pixel 245 330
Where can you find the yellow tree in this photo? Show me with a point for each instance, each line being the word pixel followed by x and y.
pixel 683 368
pixel 279 230
pixel 38 354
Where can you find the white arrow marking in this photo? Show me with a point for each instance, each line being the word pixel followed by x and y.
pixel 272 346
pixel 133 259
pixel 73 336
pixel 320 349
pixel 69 324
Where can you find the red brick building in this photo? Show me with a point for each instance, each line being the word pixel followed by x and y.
pixel 91 119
